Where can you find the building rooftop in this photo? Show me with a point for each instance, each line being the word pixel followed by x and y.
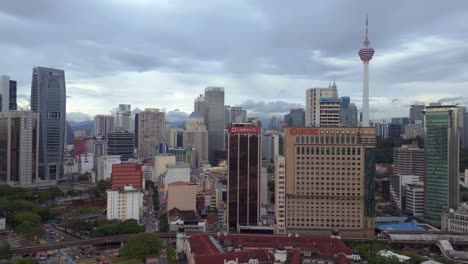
pixel 181 183
pixel 406 226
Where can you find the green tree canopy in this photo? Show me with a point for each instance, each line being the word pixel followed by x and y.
pixel 23 261
pixel 115 227
pixel 5 250
pixel 163 223
pixel 142 246
pixel 30 229
pixel 22 217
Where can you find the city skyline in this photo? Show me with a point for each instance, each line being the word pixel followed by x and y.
pixel 418 53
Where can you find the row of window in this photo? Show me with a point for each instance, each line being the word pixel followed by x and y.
pixel 328 150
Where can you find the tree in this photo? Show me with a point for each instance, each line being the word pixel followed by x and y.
pixel 163 223
pixel 104 185
pixel 85 177
pixel 171 255
pixel 142 246
pixel 22 217
pixel 30 230
pixel 115 227
pixel 5 250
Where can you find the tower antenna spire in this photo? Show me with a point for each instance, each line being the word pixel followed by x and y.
pixel 366 42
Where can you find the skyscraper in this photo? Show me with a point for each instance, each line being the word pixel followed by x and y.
pixel 415 114
pixel 151 130
pixel 329 179
pixel 48 99
pixel 195 136
pixel 7 94
pixel 296 117
pixel 102 125
pixel 348 112
pixel 244 164
pixel 123 117
pixel 214 97
pixel 199 106
pixel 238 115
pixel 313 96
pixel 19 139
pixel 120 143
pixel 366 53
pixel 442 149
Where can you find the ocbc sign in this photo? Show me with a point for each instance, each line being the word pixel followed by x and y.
pixel 303 131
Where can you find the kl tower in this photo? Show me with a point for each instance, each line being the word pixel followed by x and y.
pixel 366 54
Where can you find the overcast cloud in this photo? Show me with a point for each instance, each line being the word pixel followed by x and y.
pixel 265 53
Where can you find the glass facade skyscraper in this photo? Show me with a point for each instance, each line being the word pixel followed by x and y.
pixel 441 125
pixel 214 98
pixel 48 99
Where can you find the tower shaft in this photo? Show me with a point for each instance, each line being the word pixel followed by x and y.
pixel 365 102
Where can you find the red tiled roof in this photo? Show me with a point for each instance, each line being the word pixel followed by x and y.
pixel 201 245
pixel 296 257
pixel 326 246
pixel 242 256
pixel 342 259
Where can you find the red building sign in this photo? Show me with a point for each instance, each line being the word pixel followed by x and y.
pixel 303 131
pixel 244 130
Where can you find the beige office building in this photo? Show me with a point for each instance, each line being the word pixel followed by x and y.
pixel 151 131
pixel 182 195
pixel 195 136
pixel 329 180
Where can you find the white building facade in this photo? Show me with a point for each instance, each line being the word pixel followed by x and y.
pixel 313 96
pixel 124 204
pixel 104 166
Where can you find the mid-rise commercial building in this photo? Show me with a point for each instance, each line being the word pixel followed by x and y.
pixel 83 146
pixel 125 204
pixel 296 117
pixel 330 179
pixel 455 220
pixel 160 164
pixel 182 195
pixel 102 125
pixel 280 194
pixel 7 94
pixel 409 160
pixel 175 173
pixel 330 113
pixel 85 163
pixel 415 199
pixel 313 96
pixel 238 115
pixel 196 137
pixel 123 118
pixel 442 150
pixel 152 131
pixel 104 166
pixel 244 169
pixel 48 99
pixel 214 98
pixel 19 149
pixel 127 174
pixel 120 143
pixel 398 188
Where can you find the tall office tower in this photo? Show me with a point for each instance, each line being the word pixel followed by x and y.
pixel 296 117
pixel 366 53
pixel 442 149
pixel 313 96
pixel 238 114
pixel 403 121
pixel 48 99
pixel 151 130
pixel 330 179
pixel 280 197
pixel 201 107
pixel 330 112
pixel 353 114
pixel 271 146
pixel 244 164
pixel 214 98
pixel 465 130
pixel 274 124
pixel 196 136
pixel 227 115
pixel 123 118
pixel 19 150
pixel 348 112
pixel 120 143
pixel 415 114
pixel 102 125
pixel 137 130
pixel 7 94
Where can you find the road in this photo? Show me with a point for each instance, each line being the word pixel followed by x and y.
pixel 151 220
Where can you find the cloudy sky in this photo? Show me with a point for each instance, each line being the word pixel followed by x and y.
pixel 265 53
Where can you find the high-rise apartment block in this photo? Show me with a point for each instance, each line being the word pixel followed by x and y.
pixel 244 165
pixel 151 130
pixel 280 194
pixel 313 96
pixel 125 204
pixel 120 143
pixel 19 138
pixel 102 125
pixel 196 137
pixel 214 98
pixel 442 150
pixel 48 99
pixel 7 94
pixel 123 118
pixel 296 117
pixel 329 179
pixel 409 160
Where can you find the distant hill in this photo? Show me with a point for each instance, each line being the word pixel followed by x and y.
pixel 84 125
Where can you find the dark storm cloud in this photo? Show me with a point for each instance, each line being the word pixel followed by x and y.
pixel 415 41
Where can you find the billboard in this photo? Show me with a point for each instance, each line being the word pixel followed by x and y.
pixel 294 131
pixel 244 130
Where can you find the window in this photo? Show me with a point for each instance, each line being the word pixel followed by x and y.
pixel 54 115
